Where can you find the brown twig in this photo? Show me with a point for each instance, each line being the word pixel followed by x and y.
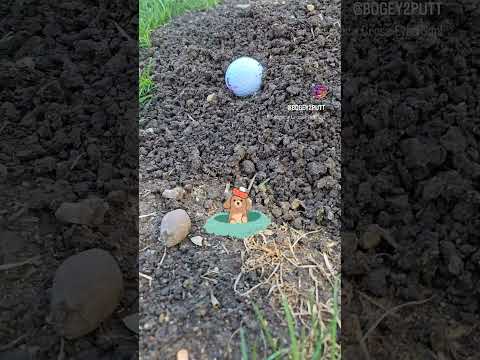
pixel 392 310
pixel 30 261
pixel 251 183
pixel 147 215
pixel 163 256
pixel 14 343
pixel 149 278
pixel 61 353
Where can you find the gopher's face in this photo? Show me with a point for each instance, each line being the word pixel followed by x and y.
pixel 238 202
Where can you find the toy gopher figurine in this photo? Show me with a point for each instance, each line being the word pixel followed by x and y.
pixel 238 205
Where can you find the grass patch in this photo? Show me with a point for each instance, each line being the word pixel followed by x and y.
pixel 154 13
pixel 145 85
pixel 315 341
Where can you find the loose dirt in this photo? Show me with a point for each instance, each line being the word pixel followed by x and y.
pixel 201 145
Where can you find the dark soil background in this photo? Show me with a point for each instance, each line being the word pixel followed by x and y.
pixel 201 145
pixel 410 184
pixel 68 131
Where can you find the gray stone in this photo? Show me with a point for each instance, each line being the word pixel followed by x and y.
pixel 370 239
pixel 248 167
pixel 174 194
pixel 326 182
pixel 197 240
pixel 174 227
pixel 86 212
pixel 212 98
pixel 86 290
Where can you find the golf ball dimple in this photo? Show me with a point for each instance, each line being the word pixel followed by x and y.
pixel 244 76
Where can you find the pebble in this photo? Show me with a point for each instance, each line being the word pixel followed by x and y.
pixel 297 204
pixel 197 240
pixel 87 288
pixel 174 227
pixel 248 167
pixel 370 239
pixel 310 7
pixel 212 98
pixel 86 212
pixel 242 6
pixel 276 211
pixel 320 215
pixel 326 182
pixel 175 194
pixel 297 223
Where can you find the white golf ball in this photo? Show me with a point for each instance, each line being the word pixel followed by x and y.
pixel 244 76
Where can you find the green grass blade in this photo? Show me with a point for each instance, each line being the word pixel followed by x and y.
pixel 333 323
pixel 254 350
pixel 318 347
pixel 295 355
pixel 264 327
pixel 155 13
pixel 277 354
pixel 243 345
pixel 145 85
pixel 303 343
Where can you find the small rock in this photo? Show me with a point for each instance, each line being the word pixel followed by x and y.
pixel 297 223
pixel 187 284
pixel 197 240
pixel 285 207
pixel 239 152
pixel 330 215
pixel 175 194
pixel 326 182
pixel 86 212
pixel 86 290
pixel 370 239
pixel 320 215
pixel 248 167
pixel 242 6
pixel 310 7
pixel 212 98
pixel 293 90
pixel 276 211
pixel 297 204
pixel 131 322
pixel 174 227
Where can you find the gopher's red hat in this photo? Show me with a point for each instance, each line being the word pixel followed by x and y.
pixel 240 192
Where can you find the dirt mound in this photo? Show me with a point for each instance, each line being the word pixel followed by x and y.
pixel 232 138
pixel 200 145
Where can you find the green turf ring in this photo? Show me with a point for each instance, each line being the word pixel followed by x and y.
pixel 218 225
